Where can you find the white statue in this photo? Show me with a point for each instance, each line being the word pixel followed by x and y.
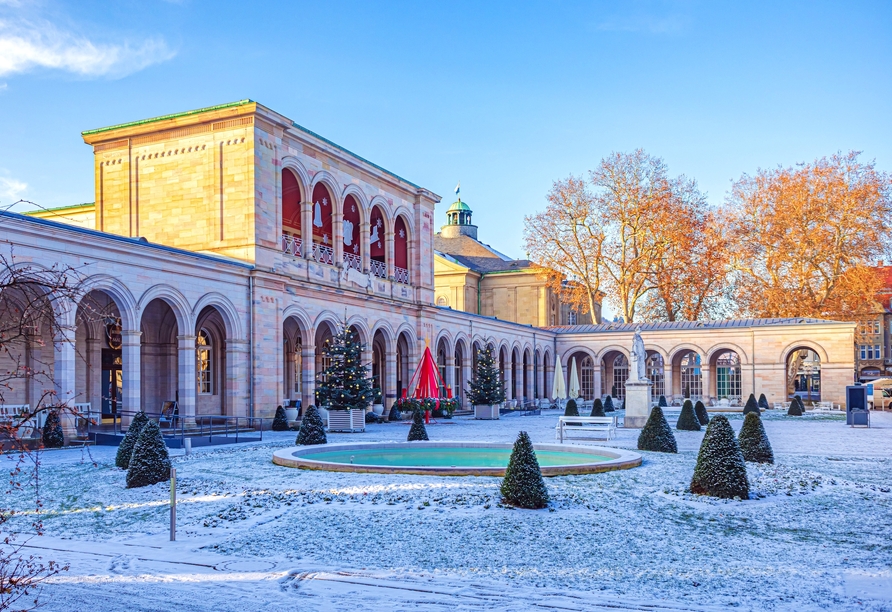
pixel 374 237
pixel 638 369
pixel 348 232
pixel 317 215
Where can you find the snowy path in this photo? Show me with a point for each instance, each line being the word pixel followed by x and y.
pixel 255 536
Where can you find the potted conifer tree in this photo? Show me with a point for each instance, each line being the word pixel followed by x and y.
pixel 345 387
pixel 487 391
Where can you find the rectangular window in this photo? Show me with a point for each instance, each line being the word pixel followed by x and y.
pixel 863 352
pixel 876 352
pixel 204 371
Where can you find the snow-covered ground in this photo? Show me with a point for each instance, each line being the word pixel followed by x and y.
pixel 256 536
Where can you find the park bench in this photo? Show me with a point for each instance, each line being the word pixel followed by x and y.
pixel 594 427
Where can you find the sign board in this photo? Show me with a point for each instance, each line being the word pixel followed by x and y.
pixel 113 336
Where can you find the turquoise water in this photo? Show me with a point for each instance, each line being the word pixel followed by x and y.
pixel 449 457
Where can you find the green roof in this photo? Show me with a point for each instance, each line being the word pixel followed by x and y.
pixel 459 206
pixel 163 117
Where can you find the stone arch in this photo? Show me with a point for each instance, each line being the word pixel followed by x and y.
pixel 723 347
pixel 609 349
pixel 681 349
pixel 383 326
pixel 386 213
pixel 173 298
pixel 304 323
pixel 227 311
pixel 809 344
pixel 119 292
pixel 444 334
pixel 328 318
pixel 300 173
pixel 579 348
pixel 331 184
pixel 360 324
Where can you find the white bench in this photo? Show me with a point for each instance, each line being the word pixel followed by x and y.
pixel 596 427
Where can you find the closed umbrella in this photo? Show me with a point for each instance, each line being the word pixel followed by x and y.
pixel 558 388
pixel 574 380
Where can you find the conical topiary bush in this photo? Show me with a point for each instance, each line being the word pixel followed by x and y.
pixel 417 431
pixel 794 409
pixel 52 431
pixel 571 410
pixel 150 462
pixel 125 448
pixel 753 440
pixel 312 429
pixel 523 485
pixel 688 420
pixel 700 411
pixel 801 405
pixel 608 405
pixel 751 405
pixel 720 470
pixel 394 415
pixel 657 435
pixel 763 402
pixel 662 402
pixel 598 408
pixel 280 421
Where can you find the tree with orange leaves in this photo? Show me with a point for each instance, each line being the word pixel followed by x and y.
pixel 803 239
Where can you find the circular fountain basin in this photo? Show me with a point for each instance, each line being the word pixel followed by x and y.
pixel 452 458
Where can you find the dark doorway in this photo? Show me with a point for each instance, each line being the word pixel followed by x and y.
pixel 111 382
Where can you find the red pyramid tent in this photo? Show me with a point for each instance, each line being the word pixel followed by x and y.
pixel 427 377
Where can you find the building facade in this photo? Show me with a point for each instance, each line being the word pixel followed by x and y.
pixel 229 243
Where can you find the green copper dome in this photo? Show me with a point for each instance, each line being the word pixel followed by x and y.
pixel 459 206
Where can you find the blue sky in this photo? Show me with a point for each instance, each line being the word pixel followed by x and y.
pixel 506 97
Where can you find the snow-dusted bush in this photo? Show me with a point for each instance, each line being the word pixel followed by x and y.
pixel 688 420
pixel 662 402
pixel 795 409
pixel 280 421
pixel 150 462
pixel 657 435
pixel 720 470
pixel 608 405
pixel 700 411
pixel 523 485
pixel 753 440
pixel 394 415
pixel 417 431
pixel 571 409
pixel 751 405
pixel 312 429
pixel 763 402
pixel 125 448
pixel 801 405
pixel 52 431
pixel 598 408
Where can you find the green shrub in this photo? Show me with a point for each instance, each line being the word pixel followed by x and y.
pixel 763 402
pixel 751 405
pixel 598 408
pixel 523 485
pixel 394 413
pixel 688 420
pixel 657 435
pixel 280 421
pixel 608 405
pixel 662 402
pixel 700 411
pixel 312 429
pixel 125 448
pixel 52 430
pixel 417 431
pixel 753 440
pixel 571 409
pixel 801 405
pixel 720 470
pixel 150 462
pixel 795 409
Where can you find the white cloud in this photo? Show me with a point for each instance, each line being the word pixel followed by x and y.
pixel 11 189
pixel 28 45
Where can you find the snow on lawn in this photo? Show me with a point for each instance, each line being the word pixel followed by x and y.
pixel 816 529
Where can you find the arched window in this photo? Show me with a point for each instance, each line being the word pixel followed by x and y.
pixel 377 250
pixel 204 353
pixel 587 378
pixel 655 374
pixel 620 375
pixel 727 376
pixel 691 376
pixel 458 381
pixel 442 301
pixel 323 236
pixel 401 251
pixel 291 198
pixel 804 375
pixel 352 242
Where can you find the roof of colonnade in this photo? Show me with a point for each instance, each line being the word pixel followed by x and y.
pixel 685 325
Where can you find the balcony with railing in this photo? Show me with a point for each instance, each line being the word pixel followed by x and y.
pixel 378 268
pixel 323 254
pixel 291 245
pixel 401 275
pixel 353 261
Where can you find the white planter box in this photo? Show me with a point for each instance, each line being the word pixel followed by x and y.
pixel 486 412
pixel 346 420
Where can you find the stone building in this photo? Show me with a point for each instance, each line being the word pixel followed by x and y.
pixel 227 244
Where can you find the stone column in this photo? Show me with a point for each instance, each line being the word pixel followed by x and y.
pixel 706 381
pixel 237 355
pixel 509 381
pixel 388 247
pixel 187 381
pixel 306 228
pixel 364 245
pixel 308 375
pixel 337 238
pixel 64 377
pixel 131 354
pixel 93 386
pixel 667 381
pixel 599 387
pixel 450 373
pixel 389 378
pixel 467 373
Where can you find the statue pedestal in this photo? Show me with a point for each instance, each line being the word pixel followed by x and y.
pixel 637 404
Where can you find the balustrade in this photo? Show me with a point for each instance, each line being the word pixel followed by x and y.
pixel 401 275
pixel 323 254
pixel 353 261
pixel 291 245
pixel 378 268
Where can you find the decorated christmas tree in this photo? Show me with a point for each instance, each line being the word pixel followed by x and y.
pixel 487 387
pixel 346 383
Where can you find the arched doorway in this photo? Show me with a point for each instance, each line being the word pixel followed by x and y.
pixel 656 375
pixel 379 364
pixel 690 375
pixel 614 374
pixel 324 333
pixel 585 371
pixel 804 374
pixel 401 251
pixel 99 364
pixel 460 382
pixel 442 352
pixel 292 367
pixel 210 363
pixel 323 234
pixel 403 373
pixel 726 366
pixel 158 357
pixel 291 213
